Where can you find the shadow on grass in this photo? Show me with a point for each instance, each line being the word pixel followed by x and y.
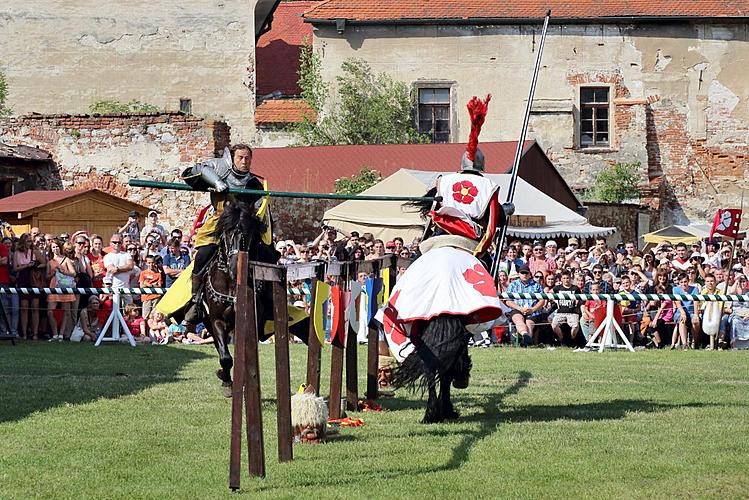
pixel 40 376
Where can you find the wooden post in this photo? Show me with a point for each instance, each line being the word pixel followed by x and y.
pixel 283 376
pixel 336 373
pixel 313 343
pixel 246 317
pixel 373 338
pixel 352 370
pixel 237 389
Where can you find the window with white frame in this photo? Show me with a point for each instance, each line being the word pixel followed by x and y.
pixel 594 117
pixel 434 113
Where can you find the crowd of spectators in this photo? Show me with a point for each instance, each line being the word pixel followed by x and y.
pixel 545 266
pixel 133 257
pixel 151 256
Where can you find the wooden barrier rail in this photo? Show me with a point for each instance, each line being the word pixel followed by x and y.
pixel 246 384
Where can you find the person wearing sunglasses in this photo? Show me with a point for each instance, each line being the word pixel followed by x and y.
pixel 604 286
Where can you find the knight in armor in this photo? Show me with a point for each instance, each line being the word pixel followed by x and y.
pixel 231 170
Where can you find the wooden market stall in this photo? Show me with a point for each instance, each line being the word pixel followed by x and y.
pixel 68 211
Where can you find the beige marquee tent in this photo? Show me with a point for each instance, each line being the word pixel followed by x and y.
pixel 536 214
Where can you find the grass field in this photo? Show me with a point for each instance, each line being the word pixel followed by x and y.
pixel 116 422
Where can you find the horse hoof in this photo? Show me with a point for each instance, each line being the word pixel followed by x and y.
pixel 461 383
pixel 451 414
pixel 227 391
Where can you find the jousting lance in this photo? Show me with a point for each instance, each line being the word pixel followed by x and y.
pixel 499 241
pixel 282 194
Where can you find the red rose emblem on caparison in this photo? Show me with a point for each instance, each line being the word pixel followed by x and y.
pixel 464 192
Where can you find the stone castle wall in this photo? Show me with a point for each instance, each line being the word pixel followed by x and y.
pixel 106 151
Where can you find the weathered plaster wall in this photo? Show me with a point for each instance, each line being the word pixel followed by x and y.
pixel 681 96
pixel 106 151
pixel 59 57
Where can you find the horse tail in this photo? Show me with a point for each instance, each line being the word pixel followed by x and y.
pixel 423 207
pixel 441 350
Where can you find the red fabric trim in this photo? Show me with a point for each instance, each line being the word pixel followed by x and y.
pixel 453 225
pixel 491 228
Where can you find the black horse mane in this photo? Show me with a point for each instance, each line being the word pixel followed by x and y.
pixel 422 207
pixel 239 216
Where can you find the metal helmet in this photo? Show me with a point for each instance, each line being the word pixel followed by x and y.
pixel 477 165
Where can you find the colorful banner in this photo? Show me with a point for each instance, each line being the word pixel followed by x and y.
pixel 726 222
pixel 337 325
pixel 353 309
pixel 373 288
pixel 385 285
pixel 322 292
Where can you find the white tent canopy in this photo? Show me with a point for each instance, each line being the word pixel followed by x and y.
pixel 388 219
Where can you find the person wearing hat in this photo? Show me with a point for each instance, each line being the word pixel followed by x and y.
pixel 525 312
pixel 132 226
pixel 152 226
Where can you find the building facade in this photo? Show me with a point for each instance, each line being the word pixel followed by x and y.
pixel 193 56
pixel 664 86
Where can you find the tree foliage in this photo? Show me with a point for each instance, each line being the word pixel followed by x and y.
pixel 370 108
pixel 4 110
pixel 616 183
pixel 365 179
pixel 109 106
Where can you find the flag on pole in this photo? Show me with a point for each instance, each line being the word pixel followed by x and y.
pixel 726 222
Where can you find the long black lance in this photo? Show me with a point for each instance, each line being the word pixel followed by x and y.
pixel 499 241
pixel 282 194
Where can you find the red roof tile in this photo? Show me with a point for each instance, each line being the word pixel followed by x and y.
pixel 280 111
pixel 277 51
pixel 388 10
pixel 29 200
pixel 315 169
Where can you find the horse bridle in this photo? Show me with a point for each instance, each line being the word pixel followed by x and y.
pixel 229 248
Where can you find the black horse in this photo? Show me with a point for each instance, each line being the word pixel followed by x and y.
pixel 238 229
pixel 440 355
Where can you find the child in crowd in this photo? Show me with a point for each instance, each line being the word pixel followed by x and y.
pixel 136 324
pixel 662 320
pixel 589 309
pixel 150 277
pixel 157 328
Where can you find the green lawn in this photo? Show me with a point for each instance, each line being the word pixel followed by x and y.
pixel 116 422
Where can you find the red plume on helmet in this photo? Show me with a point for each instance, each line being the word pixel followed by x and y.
pixel 477 110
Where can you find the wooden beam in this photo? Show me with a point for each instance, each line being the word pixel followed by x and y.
pixel 283 376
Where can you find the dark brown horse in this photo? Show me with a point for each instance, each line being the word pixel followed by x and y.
pixel 238 229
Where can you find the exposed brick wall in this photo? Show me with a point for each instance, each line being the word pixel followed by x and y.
pixel 105 151
pixel 299 219
pixel 619 215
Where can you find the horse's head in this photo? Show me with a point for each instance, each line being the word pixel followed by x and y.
pixel 239 230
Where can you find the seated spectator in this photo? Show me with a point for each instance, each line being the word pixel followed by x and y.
pixel 663 318
pixel 711 312
pixel 631 311
pixel 736 331
pixel 566 312
pixel 158 330
pixel 88 327
pixel 525 312
pixel 136 324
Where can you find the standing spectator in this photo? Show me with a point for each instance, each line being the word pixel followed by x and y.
pixel 685 315
pixel 119 264
pixel 604 286
pixel 26 259
pixel 551 250
pixel 96 258
pixel 511 261
pixel 525 312
pixel 175 262
pixel 81 253
pixel 15 301
pixel 566 308
pixel 5 298
pixel 681 262
pixel 62 271
pixel 132 226
pixel 378 250
pixel 150 277
pixel 589 309
pixel 537 261
pixel 152 226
